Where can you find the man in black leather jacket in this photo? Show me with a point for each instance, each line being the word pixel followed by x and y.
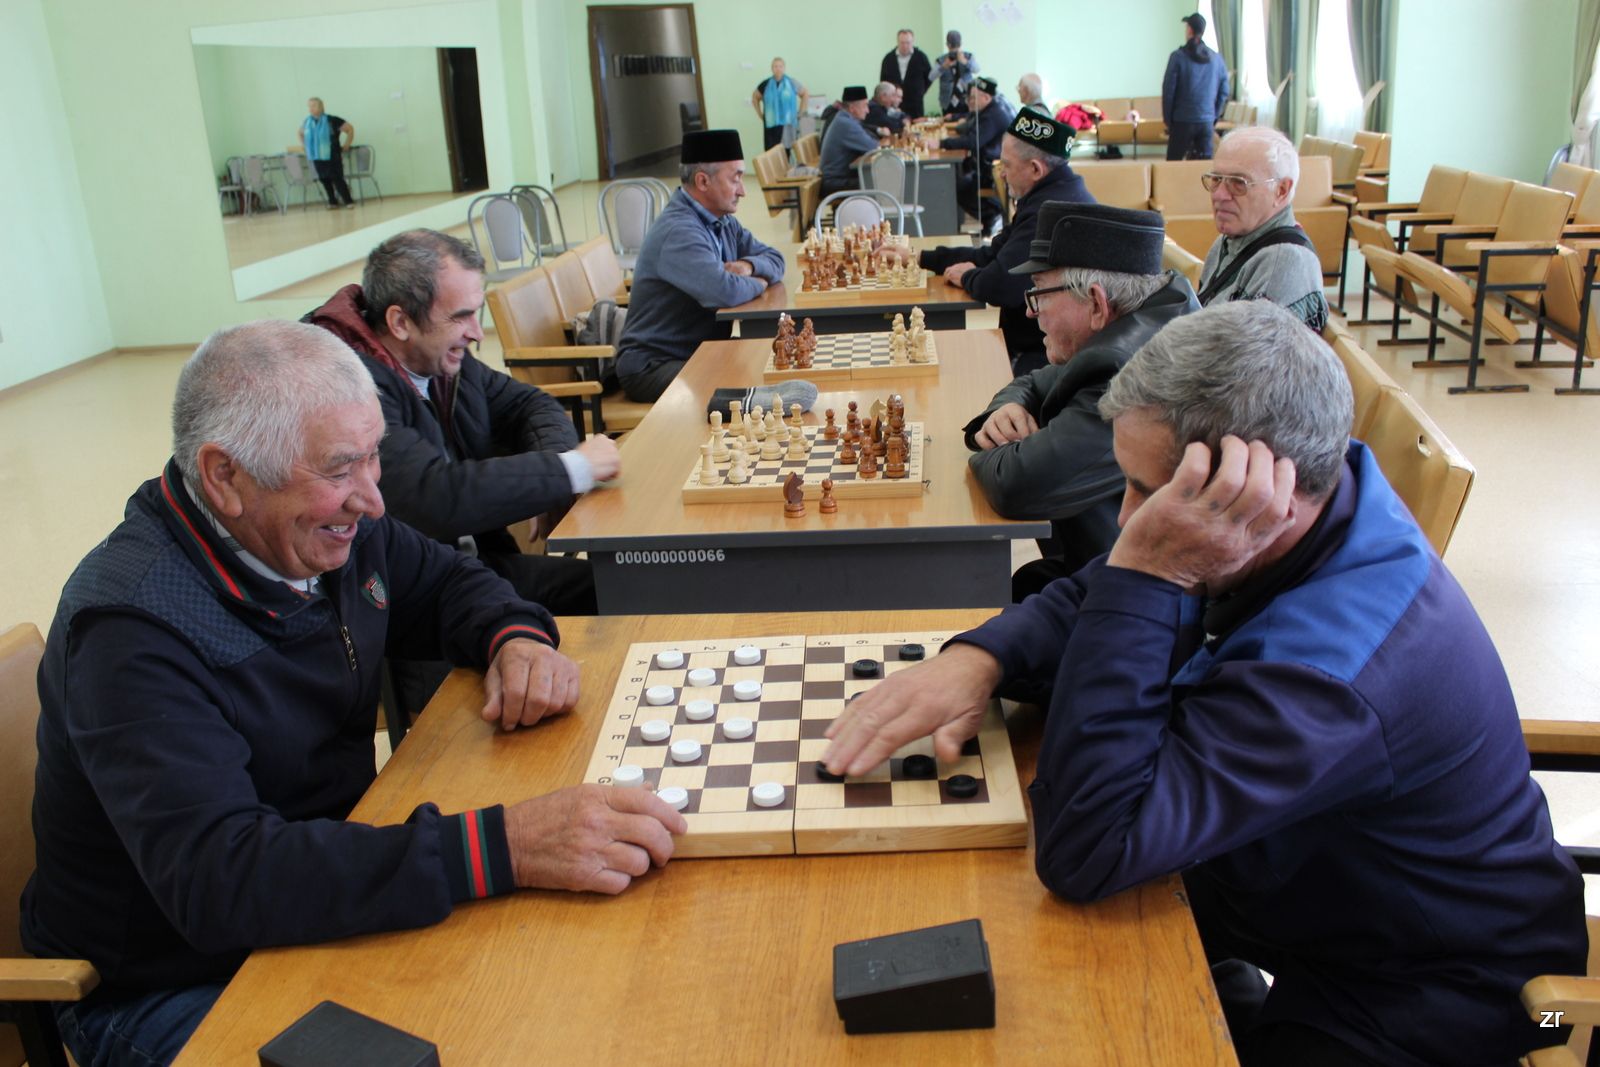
pixel 1041 448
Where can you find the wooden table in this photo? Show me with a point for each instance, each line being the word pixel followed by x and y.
pixel 726 960
pixel 945 305
pixel 652 553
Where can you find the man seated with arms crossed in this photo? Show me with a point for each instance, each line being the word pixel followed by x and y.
pixel 1042 450
pixel 208 692
pixel 1034 160
pixel 1261 253
pixel 1273 685
pixel 696 259
pixel 846 140
pixel 884 116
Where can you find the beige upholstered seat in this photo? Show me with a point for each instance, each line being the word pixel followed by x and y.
pixel 1369 228
pixel 1374 152
pixel 783 193
pixel 1173 257
pixel 1322 212
pixel 808 150
pixel 1367 379
pixel 1482 199
pixel 1561 313
pixel 1571 178
pixel 1176 192
pixel 1427 472
pixel 1118 184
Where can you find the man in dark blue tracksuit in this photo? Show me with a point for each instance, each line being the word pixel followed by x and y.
pixel 1194 91
pixel 1273 684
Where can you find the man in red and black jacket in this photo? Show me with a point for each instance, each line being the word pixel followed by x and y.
pixel 207 698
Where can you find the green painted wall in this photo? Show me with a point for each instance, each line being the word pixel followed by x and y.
pixel 1483 84
pixel 52 307
pixel 1089 50
pixel 254 100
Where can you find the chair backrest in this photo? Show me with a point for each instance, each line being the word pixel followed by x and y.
pixel 570 285
pixel 1483 198
pixel 525 311
pixel 1532 213
pixel 1425 469
pixel 255 171
pixel 1118 184
pixel 600 266
pixel 1368 142
pixel 1368 380
pixel 857 211
pixel 1175 257
pixel 862 207
pixel 1564 298
pixel 1442 190
pixel 536 216
pixel 21 649
pixel 689 116
pixel 808 150
pixel 362 159
pixel 235 167
pixel 1314 146
pixel 502 221
pixel 1346 160
pixel 1176 187
pixel 627 209
pixel 1588 210
pixel 888 170
pixel 1571 178
pixel 1315 187
pixel 771 167
pixel 1148 107
pixel 294 168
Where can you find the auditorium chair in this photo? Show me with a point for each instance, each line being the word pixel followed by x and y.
pixel 1565 313
pixel 1509 262
pixel 1571 178
pixel 1374 153
pixel 1324 214
pixel 1173 257
pixel 1344 159
pixel 1124 185
pixel 1426 471
pixel 1369 229
pixel 1184 204
pixel 783 193
pixel 808 150
pixel 28 986
pixel 1368 380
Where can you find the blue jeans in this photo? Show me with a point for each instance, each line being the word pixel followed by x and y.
pixel 114 1029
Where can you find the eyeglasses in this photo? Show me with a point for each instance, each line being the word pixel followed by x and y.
pixel 1236 185
pixel 1031 297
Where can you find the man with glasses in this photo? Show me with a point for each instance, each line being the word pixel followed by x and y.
pixel 1261 253
pixel 1042 450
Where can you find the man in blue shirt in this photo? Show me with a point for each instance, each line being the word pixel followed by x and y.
pixel 846 141
pixel 695 260
pixel 1273 684
pixel 1193 93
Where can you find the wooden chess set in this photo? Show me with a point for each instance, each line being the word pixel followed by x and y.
pixel 765 457
pixel 730 733
pixel 843 356
pixel 909 142
pixel 858 259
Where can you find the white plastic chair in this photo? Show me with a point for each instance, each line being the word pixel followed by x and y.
pixel 253 176
pixel 886 169
pixel 297 174
pixel 537 218
pixel 862 207
pixel 504 239
pixel 363 160
pixel 627 208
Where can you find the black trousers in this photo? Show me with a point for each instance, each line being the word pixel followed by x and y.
pixel 561 585
pixel 647 386
pixel 771 135
pixel 839 185
pixel 985 208
pixel 331 173
pixel 1189 140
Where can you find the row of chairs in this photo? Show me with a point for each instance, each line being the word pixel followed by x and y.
pixel 251 179
pixel 1493 253
pixel 791 185
pixel 515 230
pixel 1367 158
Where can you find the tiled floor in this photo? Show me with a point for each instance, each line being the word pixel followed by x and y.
pixel 72 448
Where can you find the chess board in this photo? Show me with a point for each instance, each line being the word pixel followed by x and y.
pixel 768 475
pixel 877 286
pixel 844 356
pixel 805 682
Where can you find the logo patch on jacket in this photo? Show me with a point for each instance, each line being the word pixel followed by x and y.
pixel 374 592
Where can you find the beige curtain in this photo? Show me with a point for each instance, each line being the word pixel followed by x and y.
pixel 1373 53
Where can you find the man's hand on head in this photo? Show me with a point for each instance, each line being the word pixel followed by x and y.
pixel 526 681
pixel 1201 528
pixel 1006 424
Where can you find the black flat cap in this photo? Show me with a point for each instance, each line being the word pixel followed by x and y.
pixel 1095 236
pixel 852 93
pixel 986 85
pixel 1043 132
pixel 711 146
pixel 1197 23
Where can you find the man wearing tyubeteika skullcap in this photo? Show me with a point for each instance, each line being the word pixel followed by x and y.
pixel 696 259
pixel 980 135
pixel 1041 449
pixel 847 139
pixel 1033 157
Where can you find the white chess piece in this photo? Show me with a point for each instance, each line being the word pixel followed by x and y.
pixel 771 448
pixel 897 348
pixel 719 444
pixel 739 470
pixel 708 467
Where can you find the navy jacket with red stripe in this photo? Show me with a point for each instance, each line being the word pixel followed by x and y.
pixel 205 732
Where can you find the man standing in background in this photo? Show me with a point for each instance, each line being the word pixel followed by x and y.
pixel 324 138
pixel 1193 92
pixel 956 69
pixel 908 67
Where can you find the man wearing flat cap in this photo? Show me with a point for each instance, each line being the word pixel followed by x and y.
pixel 1033 157
pixel 847 139
pixel 1193 93
pixel 979 135
pixel 696 259
pixel 1042 450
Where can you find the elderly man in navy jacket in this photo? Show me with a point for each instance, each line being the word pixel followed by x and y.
pixel 207 698
pixel 1272 684
pixel 1034 159
pixel 979 135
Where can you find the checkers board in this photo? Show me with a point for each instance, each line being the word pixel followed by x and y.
pixel 842 356
pixel 768 475
pixel 875 286
pixel 805 682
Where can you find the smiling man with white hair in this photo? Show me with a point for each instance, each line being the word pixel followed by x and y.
pixel 207 698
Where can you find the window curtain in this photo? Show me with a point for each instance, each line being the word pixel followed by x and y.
pixel 1280 22
pixel 1373 53
pixel 1584 89
pixel 1313 101
pixel 1225 18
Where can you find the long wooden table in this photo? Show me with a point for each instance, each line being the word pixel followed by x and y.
pixel 724 960
pixel 945 305
pixel 946 547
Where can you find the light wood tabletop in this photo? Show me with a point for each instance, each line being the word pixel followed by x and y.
pixel 725 960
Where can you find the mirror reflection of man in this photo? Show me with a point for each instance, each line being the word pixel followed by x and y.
pixel 325 138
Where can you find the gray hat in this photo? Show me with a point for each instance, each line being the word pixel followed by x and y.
pixel 1097 237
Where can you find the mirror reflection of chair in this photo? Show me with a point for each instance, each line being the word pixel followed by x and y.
pixel 888 169
pixel 363 160
pixel 862 207
pixel 627 208
pixel 504 244
pixel 232 185
pixel 28 987
pixel 297 174
pixel 536 216
pixel 257 184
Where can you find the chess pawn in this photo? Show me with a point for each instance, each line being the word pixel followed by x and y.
pixel 797 445
pixel 897 349
pixel 708 467
pixel 895 464
pixel 852 419
pixel 780 352
pixel 831 430
pixel 847 449
pixel 829 504
pixel 757 425
pixel 771 447
pixel 868 466
pixel 739 467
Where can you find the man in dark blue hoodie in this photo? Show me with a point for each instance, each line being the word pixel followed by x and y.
pixel 1272 684
pixel 1193 93
pixel 207 697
